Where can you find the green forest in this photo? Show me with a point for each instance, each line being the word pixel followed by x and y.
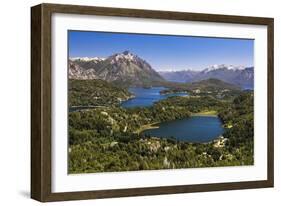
pixel 108 137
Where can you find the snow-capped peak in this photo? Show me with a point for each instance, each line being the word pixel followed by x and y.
pixel 223 66
pixel 128 55
pixel 125 55
pixel 87 59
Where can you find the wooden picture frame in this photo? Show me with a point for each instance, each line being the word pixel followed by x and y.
pixel 41 117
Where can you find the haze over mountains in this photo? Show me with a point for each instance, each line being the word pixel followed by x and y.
pixel 129 68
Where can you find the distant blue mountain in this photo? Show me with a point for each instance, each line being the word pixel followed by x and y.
pixel 240 76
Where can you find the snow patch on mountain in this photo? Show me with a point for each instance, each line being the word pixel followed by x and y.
pixel 223 66
pixel 87 59
pixel 120 67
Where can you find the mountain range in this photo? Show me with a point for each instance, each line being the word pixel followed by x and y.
pixel 128 68
pixel 120 67
pixel 241 76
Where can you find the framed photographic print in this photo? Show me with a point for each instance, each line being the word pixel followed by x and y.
pixel 130 102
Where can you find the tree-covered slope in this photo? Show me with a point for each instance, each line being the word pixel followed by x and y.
pixel 107 139
pixel 95 93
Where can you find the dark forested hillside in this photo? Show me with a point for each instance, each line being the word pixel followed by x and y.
pixel 240 120
pixel 95 93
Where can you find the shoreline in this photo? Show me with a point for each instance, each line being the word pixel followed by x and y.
pixel 146 127
pixel 211 113
pixel 155 126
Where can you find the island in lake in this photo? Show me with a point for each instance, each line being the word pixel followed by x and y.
pixel 124 115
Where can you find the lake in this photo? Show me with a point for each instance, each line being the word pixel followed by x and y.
pixel 193 129
pixel 145 97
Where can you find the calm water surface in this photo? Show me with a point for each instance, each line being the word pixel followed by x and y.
pixel 193 129
pixel 145 97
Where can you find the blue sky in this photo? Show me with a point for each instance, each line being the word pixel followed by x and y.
pixel 164 52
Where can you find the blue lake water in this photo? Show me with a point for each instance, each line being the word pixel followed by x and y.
pixel 147 96
pixel 194 129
